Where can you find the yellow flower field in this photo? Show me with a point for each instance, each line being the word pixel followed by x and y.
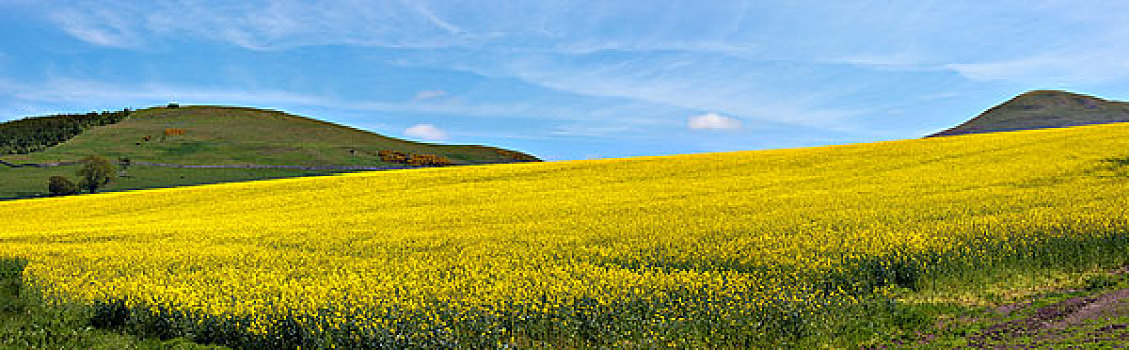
pixel 723 249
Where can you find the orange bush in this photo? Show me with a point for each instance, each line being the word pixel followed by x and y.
pixel 428 160
pixel 388 156
pixel 393 157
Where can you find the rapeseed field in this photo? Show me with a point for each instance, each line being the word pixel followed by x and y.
pixel 737 249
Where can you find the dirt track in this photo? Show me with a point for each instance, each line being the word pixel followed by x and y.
pixel 35 165
pixel 1063 324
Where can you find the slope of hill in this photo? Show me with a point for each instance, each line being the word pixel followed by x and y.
pixel 233 137
pixel 766 249
pixel 1043 109
pixel 38 133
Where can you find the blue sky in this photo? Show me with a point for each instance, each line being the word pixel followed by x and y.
pixel 570 79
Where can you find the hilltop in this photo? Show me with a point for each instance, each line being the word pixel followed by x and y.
pixel 1043 109
pixel 937 243
pixel 174 145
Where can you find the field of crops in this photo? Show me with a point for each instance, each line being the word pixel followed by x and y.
pixel 726 249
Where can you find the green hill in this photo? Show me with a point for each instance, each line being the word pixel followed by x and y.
pixel 1043 109
pixel 233 144
pixel 934 243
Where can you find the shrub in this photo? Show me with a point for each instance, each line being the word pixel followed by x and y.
pixel 428 160
pixel 393 157
pixel 96 172
pixel 61 186
pixel 397 157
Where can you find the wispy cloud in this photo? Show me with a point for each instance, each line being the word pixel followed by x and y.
pixel 590 130
pixel 79 91
pixel 429 94
pixel 695 57
pixel 713 121
pixel 423 9
pixel 99 27
pixel 1051 68
pixel 426 132
pixel 76 90
pixel 838 67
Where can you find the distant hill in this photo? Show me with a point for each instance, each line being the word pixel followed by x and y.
pixel 1043 109
pixel 208 144
pixel 34 134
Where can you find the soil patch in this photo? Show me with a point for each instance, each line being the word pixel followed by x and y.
pixel 1056 322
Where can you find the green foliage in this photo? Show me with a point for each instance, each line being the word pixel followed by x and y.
pixel 28 323
pixel 96 172
pixel 38 133
pixel 61 186
pixel 1097 282
pixel 224 136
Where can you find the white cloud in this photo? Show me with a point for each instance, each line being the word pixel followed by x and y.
pixel 429 94
pixel 675 51
pixel 713 121
pixel 98 27
pixel 426 132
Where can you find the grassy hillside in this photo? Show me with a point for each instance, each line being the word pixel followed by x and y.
pixel 1044 109
pixel 38 133
pixel 224 136
pixel 814 247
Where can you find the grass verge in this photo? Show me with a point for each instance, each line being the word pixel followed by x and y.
pixel 28 324
pixel 1008 308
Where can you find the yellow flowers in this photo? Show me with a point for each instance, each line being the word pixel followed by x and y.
pixel 708 249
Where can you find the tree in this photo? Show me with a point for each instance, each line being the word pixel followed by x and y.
pixel 124 163
pixel 60 186
pixel 96 172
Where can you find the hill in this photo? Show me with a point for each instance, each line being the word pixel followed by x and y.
pixel 1043 109
pixel 220 144
pixel 38 133
pixel 828 247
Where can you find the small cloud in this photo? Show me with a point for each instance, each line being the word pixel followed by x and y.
pixel 426 132
pixel 713 121
pixel 429 94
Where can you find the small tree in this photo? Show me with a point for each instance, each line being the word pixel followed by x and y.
pixel 124 163
pixel 60 186
pixel 96 172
